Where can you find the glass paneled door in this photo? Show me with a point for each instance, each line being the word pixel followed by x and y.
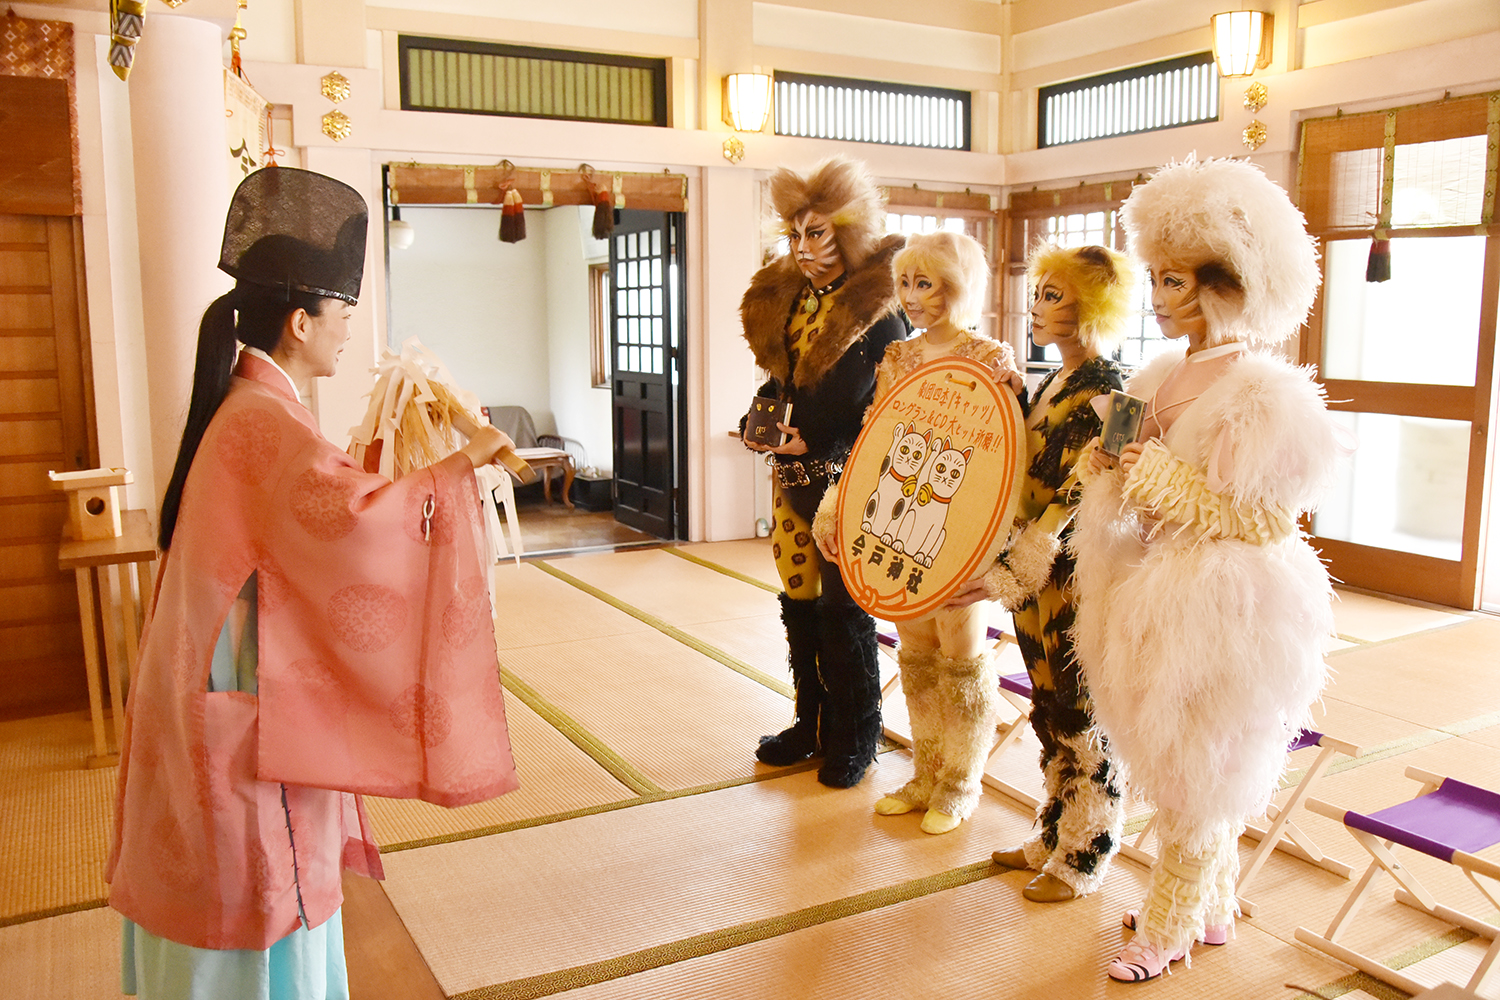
pixel 645 343
pixel 1408 366
pixel 1403 203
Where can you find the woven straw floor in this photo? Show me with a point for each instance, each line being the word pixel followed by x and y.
pixel 648 855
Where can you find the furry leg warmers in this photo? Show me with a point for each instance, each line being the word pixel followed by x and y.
pixel 919 682
pixel 1083 816
pixel 849 666
pixel 968 691
pixel 800 741
pixel 1189 891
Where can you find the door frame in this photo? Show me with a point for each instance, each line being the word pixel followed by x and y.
pixel 1407 574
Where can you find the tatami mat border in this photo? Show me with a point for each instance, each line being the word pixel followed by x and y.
pixel 603 807
pixel 1372 643
pixel 692 642
pixel 618 767
pixel 1434 945
pixel 729 937
pixel 742 577
pixel 54 911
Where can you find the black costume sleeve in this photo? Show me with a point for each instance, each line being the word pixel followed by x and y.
pixel 829 417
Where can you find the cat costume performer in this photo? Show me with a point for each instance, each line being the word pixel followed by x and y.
pixel 819 319
pixel 947 668
pixel 1201 606
pixel 1083 297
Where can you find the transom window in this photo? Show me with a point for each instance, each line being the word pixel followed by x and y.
pixel 828 107
pixel 1161 95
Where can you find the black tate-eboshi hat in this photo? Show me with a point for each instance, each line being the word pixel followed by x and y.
pixel 296 229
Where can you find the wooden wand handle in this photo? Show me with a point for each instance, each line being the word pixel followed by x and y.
pixel 466 426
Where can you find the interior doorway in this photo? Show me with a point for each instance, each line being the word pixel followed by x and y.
pixel 513 323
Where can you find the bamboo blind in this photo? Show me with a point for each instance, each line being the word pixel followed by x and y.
pixel 1347 163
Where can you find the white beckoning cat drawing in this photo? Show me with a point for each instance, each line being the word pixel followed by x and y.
pixel 922 530
pixel 898 481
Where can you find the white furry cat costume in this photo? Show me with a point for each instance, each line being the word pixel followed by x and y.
pixel 1201 607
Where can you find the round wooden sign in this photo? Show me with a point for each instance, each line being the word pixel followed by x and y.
pixel 930 488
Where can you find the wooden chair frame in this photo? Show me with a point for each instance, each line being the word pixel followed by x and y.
pixel 1412 894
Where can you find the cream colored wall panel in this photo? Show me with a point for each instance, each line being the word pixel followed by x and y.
pixel 675 18
pixel 1311 13
pixel 1414 25
pixel 983 16
pixel 1139 54
pixel 821 31
pixel 530 32
pixel 270 31
pixel 863 68
pixel 1114 27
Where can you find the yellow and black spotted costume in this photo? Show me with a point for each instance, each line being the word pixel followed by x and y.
pixel 821 347
pixel 1081 817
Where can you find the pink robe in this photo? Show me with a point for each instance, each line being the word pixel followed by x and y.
pixel 378 674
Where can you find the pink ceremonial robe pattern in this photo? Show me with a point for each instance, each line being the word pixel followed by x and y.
pixel 378 674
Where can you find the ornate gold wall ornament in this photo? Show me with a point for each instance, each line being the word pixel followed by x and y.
pixel 174 4
pixel 1256 96
pixel 335 87
pixel 734 150
pixel 1255 134
pixel 337 125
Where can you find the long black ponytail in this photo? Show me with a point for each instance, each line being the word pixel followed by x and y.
pixel 250 314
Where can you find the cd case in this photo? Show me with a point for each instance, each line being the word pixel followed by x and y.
pixel 765 414
pixel 1122 421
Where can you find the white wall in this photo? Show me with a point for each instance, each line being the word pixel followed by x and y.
pixel 582 412
pixel 478 304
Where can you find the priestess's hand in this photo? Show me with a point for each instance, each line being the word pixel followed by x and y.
pixel 487 442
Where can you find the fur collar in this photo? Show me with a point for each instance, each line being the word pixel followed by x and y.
pixel 868 294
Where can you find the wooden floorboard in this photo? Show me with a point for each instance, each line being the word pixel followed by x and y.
pixel 382 958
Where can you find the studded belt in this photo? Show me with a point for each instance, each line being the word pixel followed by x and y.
pixel 799 473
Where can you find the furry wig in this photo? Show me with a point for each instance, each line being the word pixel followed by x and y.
pixel 1226 221
pixel 841 189
pixel 955 259
pixel 1104 281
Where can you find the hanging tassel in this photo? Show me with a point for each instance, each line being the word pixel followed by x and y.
pixel 604 213
pixel 1378 267
pixel 512 217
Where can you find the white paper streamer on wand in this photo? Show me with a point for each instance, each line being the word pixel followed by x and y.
pixel 404 390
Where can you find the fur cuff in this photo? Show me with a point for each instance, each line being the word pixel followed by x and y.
pixel 825 522
pixel 1172 490
pixel 1002 587
pixel 1030 557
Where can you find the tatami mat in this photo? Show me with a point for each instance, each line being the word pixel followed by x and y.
pixel 649 855
pixel 747 556
pixel 1366 618
pixel 75 956
pixel 976 940
pixel 55 815
pixel 596 887
pixel 556 777
pixel 676 590
pixel 1380 676
pixel 679 717
pixel 534 608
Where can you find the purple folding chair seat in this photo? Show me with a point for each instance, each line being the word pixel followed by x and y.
pixel 1448 820
pixel 1456 817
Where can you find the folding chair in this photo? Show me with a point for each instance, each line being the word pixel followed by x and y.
pixel 1448 820
pixel 1283 834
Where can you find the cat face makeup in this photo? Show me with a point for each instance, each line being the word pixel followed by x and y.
pixel 923 298
pixel 813 248
pixel 1174 299
pixel 1054 314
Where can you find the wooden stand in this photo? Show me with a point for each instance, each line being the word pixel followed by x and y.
pixel 87 559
